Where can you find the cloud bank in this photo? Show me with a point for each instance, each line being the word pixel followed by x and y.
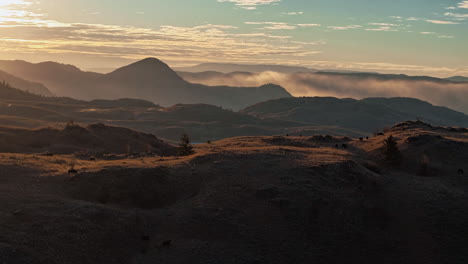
pixel 452 95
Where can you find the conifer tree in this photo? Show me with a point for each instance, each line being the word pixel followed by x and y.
pixel 185 148
pixel 392 154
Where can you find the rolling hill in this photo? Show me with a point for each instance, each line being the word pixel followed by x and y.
pixel 265 200
pixel 203 122
pixel 367 115
pixel 148 79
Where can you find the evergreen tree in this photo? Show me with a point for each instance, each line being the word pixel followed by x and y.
pixel 392 154
pixel 185 148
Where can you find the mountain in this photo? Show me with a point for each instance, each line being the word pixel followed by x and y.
pixel 457 79
pixel 367 115
pixel 228 67
pixel 342 85
pixel 61 79
pixel 203 122
pixel 32 87
pixel 8 92
pixel 148 79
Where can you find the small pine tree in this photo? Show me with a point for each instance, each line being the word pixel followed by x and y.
pixel 185 148
pixel 392 154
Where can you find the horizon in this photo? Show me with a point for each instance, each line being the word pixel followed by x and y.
pixel 423 38
pixel 111 69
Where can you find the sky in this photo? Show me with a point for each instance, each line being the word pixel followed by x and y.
pixel 415 37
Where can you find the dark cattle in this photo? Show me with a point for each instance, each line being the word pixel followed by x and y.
pixel 92 159
pixel 361 139
pixel 380 134
pixel 72 172
pixel 367 138
pixel 166 243
pixel 461 172
pixel 337 146
pixel 344 146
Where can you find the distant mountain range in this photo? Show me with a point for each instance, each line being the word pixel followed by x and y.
pixel 450 92
pixel 458 79
pixel 148 79
pixel 231 67
pixel 294 116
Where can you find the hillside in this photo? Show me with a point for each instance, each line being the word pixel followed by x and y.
pixel 35 88
pixel 367 115
pixel 148 79
pixel 243 200
pixel 96 139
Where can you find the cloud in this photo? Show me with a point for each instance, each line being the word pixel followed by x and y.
pixel 309 25
pixel 463 4
pixel 344 27
pixel 280 27
pixel 250 4
pixel 446 36
pixel 293 13
pixel 427 33
pixel 273 25
pixel 25 32
pixel 383 24
pixel 344 86
pixel 441 22
pixel 382 29
pixel 457 15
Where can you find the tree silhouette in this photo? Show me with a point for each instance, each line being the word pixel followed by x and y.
pixel 392 154
pixel 185 148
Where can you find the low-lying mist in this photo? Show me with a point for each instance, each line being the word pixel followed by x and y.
pixel 437 92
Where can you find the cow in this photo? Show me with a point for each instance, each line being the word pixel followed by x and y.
pixel 166 243
pixel 460 172
pixel 344 146
pixel 72 172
